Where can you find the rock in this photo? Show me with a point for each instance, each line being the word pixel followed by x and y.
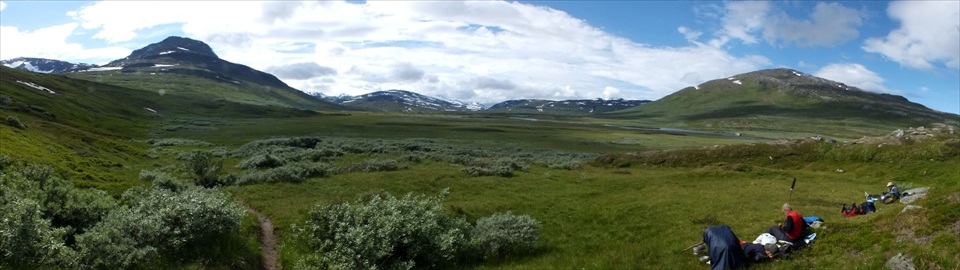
pixel 911 208
pixel 840 170
pixel 897 133
pixel 900 262
pixel 914 194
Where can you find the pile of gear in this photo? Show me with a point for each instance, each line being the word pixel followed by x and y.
pixel 722 249
pixel 892 195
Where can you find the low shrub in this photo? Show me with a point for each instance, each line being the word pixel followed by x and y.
pixel 294 172
pixel 177 142
pixel 260 161
pixel 372 165
pixel 205 168
pixel 13 121
pixel 386 232
pixel 159 223
pixel 383 232
pixel 504 234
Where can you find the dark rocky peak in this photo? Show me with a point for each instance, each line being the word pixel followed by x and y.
pixel 790 77
pixel 176 47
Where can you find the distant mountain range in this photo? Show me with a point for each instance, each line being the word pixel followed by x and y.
pixel 191 69
pixel 406 101
pixel 41 65
pixel 565 107
pixel 401 101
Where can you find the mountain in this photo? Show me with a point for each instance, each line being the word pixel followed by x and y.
pixel 564 107
pixel 783 99
pixel 402 101
pixel 42 65
pixel 187 67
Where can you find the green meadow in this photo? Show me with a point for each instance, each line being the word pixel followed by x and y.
pixel 621 211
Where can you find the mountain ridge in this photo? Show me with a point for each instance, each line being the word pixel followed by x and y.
pixel 44 65
pixel 199 73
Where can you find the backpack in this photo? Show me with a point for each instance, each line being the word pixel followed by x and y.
pixel 848 212
pixel 859 209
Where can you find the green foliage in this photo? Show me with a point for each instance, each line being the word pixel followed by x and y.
pixel 383 232
pixel 160 223
pixel 293 172
pixel 13 121
pixel 371 165
pixel 386 232
pixel 503 234
pixel 206 169
pixel 177 142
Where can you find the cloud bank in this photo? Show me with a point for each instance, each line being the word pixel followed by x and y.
pixel 481 51
pixel 929 34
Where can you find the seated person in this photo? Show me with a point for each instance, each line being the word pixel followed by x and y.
pixel 791 230
pixel 892 194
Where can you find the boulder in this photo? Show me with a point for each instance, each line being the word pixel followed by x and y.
pixel 897 133
pixel 914 194
pixel 900 262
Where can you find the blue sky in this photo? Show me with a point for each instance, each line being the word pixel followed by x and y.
pixel 492 51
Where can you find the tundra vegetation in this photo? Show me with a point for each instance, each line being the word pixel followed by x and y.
pixel 97 183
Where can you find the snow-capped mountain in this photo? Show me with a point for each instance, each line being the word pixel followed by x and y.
pixel 569 107
pixel 401 101
pixel 42 65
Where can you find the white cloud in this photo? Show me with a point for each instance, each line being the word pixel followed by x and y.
pixel 855 75
pixel 3 5
pixel 829 24
pixel 483 51
pixel 929 34
pixel 51 42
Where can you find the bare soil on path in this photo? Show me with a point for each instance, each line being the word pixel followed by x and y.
pixel 268 241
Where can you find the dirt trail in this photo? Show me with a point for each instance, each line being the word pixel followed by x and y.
pixel 268 241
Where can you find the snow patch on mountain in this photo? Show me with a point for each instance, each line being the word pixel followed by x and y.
pixel 36 86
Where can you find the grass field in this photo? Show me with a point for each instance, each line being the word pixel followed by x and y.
pixel 638 216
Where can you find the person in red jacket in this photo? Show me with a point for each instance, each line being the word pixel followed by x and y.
pixel 791 229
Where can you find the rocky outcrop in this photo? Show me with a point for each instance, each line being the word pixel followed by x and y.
pixel 914 194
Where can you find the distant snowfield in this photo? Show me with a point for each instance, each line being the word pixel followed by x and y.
pixel 27 65
pixel 167 52
pixel 162 65
pixel 36 86
pixel 102 69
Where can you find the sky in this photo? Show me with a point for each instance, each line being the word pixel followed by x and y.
pixel 491 51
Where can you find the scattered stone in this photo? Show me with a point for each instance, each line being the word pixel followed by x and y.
pixel 900 262
pixel 911 208
pixel 840 170
pixel 914 194
pixel 897 133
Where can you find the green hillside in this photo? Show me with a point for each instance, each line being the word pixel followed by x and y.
pixel 168 67
pixel 783 100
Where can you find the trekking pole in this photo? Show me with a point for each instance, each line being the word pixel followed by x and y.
pixel 691 246
pixel 791 189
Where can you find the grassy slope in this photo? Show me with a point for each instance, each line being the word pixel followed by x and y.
pixel 757 109
pixel 193 83
pixel 95 131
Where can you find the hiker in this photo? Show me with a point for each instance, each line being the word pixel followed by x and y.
pixel 892 194
pixel 724 248
pixel 790 230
